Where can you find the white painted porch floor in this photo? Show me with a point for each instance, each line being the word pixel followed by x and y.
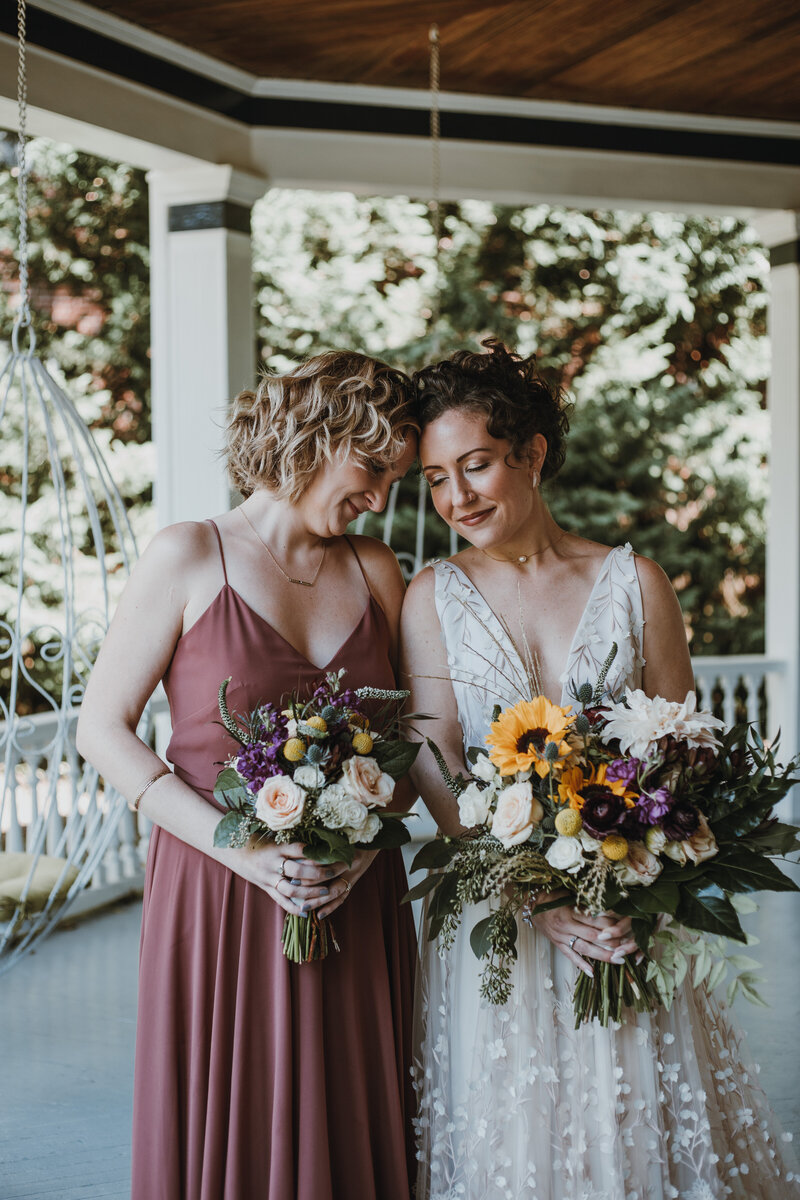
pixel 67 1019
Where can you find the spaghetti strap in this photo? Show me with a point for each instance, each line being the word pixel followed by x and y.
pixel 213 525
pixel 363 572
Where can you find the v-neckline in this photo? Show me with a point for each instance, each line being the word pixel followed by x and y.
pixel 326 666
pixel 227 588
pixel 506 636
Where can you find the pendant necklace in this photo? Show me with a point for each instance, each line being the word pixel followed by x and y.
pixel 522 558
pixel 309 583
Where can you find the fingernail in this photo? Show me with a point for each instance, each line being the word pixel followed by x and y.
pixel 639 958
pixel 604 936
pixel 617 958
pixel 323 887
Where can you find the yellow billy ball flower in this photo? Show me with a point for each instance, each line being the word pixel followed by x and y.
pixel 615 847
pixel 362 743
pixel 568 822
pixel 294 749
pixel 318 723
pixel 356 718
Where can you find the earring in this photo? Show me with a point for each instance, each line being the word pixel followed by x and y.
pixel 535 480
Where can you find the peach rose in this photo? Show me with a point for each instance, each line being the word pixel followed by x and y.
pixel 516 814
pixel 363 779
pixel 639 866
pixel 280 802
pixel 702 844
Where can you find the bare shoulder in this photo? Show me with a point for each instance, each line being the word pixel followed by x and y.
pixel 420 592
pixel 176 557
pixel 377 558
pixel 184 541
pixel 382 569
pixel 654 582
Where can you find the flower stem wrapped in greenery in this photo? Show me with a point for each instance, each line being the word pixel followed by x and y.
pixel 320 771
pixel 644 808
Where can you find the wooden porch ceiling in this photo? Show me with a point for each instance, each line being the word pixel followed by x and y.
pixel 735 58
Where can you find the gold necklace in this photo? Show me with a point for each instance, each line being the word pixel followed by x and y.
pixel 522 558
pixel 301 582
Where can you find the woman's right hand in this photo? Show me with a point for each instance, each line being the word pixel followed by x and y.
pixel 578 936
pixel 292 880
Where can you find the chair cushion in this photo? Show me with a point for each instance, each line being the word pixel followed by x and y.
pixel 14 870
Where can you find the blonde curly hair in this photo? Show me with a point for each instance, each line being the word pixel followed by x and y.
pixel 334 405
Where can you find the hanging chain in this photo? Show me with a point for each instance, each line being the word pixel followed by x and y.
pixel 436 177
pixel 24 315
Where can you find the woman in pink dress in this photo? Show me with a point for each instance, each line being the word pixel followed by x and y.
pixel 255 1077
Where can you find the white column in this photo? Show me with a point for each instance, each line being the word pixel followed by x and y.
pixel 202 328
pixel 780 232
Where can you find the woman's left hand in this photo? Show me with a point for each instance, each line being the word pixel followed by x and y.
pixel 345 881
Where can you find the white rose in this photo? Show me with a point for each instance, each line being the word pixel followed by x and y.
pixel 367 833
pixel 565 854
pixel 280 803
pixel 353 814
pixel 310 776
pixel 363 779
pixel 473 805
pixel 588 842
pixel 639 867
pixel 484 769
pixel 516 814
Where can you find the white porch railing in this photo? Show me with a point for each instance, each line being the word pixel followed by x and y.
pixel 746 687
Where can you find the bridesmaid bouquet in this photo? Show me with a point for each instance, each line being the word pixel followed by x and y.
pixel 644 808
pixel 317 772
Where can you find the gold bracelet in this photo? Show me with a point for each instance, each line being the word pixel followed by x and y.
pixel 134 805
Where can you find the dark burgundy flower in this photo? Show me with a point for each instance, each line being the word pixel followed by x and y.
pixel 625 769
pixel 602 810
pixel 680 822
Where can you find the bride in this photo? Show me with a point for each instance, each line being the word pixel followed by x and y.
pixel 514 1103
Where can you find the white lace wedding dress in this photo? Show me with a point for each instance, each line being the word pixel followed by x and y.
pixel 514 1103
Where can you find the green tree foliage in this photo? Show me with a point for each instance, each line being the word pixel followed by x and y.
pixel 654 324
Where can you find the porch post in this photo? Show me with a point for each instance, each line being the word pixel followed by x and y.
pixel 780 232
pixel 202 328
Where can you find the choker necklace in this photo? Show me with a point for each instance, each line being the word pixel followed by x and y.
pixel 301 582
pixel 522 558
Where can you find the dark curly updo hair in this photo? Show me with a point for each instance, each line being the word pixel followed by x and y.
pixel 517 402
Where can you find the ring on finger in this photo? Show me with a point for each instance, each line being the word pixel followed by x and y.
pixel 282 871
pixel 575 937
pixel 347 886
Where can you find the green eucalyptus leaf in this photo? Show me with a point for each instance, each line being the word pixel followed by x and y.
pixel 480 937
pixel 706 907
pixel 395 758
pixel 435 854
pixel 228 831
pixel 421 889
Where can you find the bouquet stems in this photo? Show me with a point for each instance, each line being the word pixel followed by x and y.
pixel 306 939
pixel 611 989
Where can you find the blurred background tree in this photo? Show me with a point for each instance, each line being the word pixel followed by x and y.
pixel 653 323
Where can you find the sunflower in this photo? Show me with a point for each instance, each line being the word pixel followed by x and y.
pixel 519 738
pixel 573 780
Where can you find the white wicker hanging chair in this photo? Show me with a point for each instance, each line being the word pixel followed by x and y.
pixel 57 823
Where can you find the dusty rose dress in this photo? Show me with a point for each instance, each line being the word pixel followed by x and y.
pixel 257 1079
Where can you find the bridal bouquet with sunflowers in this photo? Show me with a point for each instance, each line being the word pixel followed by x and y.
pixel 318 771
pixel 645 808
